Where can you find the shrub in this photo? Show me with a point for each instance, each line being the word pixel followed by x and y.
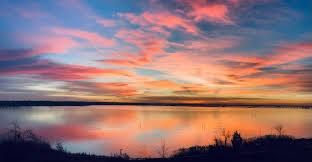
pixel 237 140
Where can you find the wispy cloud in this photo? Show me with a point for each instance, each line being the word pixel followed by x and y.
pixel 94 38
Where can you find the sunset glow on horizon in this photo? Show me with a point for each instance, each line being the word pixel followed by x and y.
pixel 164 51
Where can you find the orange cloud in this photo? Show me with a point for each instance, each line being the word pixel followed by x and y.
pixel 164 84
pixel 122 89
pixel 121 62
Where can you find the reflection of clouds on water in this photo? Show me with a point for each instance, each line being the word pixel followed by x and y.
pixel 138 129
pixel 31 116
pixel 46 117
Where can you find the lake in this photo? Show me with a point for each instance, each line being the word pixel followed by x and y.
pixel 140 130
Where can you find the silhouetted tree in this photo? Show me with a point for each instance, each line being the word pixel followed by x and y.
pixel 218 142
pixel 237 140
pixel 226 135
pixel 15 131
pixel 121 155
pixel 163 148
pixel 279 129
pixel 59 146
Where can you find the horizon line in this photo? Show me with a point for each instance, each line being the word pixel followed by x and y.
pixel 90 103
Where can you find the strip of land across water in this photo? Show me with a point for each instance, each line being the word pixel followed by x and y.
pixel 82 103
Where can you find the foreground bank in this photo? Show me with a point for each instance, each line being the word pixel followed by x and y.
pixel 19 145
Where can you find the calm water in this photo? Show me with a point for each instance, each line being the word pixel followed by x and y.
pixel 138 130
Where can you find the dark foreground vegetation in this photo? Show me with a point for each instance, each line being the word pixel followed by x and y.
pixel 18 145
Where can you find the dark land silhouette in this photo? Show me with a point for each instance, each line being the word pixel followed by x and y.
pixel 83 103
pixel 19 145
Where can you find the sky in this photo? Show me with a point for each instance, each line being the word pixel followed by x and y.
pixel 170 51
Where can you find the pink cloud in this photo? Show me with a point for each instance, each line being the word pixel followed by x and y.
pixel 55 44
pixel 285 53
pixel 115 88
pixel 211 12
pixel 47 69
pixel 41 45
pixel 159 30
pixel 209 44
pixel 147 42
pixel 94 38
pixel 164 19
pixel 49 44
pixel 148 45
pixel 291 52
pixel 107 22
pixel 134 19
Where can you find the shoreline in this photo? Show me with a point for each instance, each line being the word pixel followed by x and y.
pixel 284 148
pixel 86 103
